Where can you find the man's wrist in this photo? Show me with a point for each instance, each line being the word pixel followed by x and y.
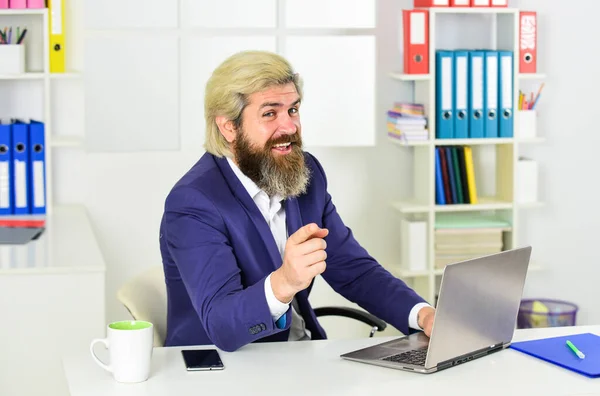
pixel 281 290
pixel 422 314
pixel 276 307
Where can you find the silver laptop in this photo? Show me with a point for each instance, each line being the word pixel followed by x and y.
pixel 476 315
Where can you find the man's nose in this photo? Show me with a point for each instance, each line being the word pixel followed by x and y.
pixel 287 126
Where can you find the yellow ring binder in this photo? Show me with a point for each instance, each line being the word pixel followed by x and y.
pixel 57 35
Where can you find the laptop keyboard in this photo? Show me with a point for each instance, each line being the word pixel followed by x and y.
pixel 415 357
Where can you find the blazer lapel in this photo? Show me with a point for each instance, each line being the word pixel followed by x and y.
pixel 293 218
pixel 241 194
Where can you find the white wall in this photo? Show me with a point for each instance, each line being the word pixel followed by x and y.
pixel 124 192
pixel 564 233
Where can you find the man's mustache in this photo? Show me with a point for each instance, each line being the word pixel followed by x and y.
pixel 294 138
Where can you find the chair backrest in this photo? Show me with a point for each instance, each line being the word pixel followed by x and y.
pixel 145 297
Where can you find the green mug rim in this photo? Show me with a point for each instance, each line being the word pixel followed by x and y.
pixel 129 325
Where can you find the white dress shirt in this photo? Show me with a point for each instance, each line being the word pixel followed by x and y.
pixel 274 213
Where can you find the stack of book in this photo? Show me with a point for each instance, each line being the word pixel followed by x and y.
pixel 407 122
pixel 454 245
pixel 454 176
pixel 463 237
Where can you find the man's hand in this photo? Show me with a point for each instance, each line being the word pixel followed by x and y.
pixel 425 319
pixel 303 259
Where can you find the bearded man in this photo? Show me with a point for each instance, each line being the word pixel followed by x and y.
pixel 247 229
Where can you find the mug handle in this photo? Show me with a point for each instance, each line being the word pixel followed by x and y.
pixel 100 363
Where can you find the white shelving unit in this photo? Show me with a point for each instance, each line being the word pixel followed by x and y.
pixel 503 25
pixel 37 21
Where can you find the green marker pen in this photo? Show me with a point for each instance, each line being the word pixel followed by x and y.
pixel 574 349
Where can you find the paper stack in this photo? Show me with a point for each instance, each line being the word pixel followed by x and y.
pixel 407 122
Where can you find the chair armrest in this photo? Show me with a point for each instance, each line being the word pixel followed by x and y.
pixel 352 313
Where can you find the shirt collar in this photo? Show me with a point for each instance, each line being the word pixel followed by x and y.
pixel 249 185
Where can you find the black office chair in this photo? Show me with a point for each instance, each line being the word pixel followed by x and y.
pixel 352 313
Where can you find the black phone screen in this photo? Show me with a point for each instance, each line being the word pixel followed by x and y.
pixel 202 359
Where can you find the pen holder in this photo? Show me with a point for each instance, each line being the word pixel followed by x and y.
pixel 12 58
pixel 527 124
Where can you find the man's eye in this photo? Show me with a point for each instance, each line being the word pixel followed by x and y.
pixel 293 110
pixel 269 114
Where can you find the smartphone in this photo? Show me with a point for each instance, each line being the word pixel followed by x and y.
pixel 202 359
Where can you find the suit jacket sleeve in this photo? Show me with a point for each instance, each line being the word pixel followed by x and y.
pixel 357 276
pixel 232 315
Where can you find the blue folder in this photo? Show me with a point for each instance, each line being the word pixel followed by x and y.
pixel 20 169
pixel 555 350
pixel 440 199
pixel 491 94
pixel 461 94
pixel 476 94
pixel 37 167
pixel 444 94
pixel 506 94
pixel 452 182
pixel 6 179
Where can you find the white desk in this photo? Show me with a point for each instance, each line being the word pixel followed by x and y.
pixel 314 368
pixel 51 301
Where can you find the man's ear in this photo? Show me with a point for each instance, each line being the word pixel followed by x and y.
pixel 226 127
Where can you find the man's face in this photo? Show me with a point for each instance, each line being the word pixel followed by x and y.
pixel 268 148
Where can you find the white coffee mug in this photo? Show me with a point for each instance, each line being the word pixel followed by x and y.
pixel 130 345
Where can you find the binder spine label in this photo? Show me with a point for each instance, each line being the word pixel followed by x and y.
pixel 56 17
pixel 492 83
pixel 477 90
pixel 528 32
pixel 20 184
pixel 417 28
pixel 4 186
pixel 461 82
pixel 447 77
pixel 507 85
pixel 38 184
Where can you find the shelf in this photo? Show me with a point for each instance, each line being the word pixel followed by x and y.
pixel 67 246
pixel 410 206
pixel 472 10
pixel 65 76
pixel 465 142
pixel 40 76
pixel 531 140
pixel 529 205
pixel 66 141
pixel 484 203
pixel 498 209
pixel 22 76
pixel 408 143
pixel 532 76
pixel 471 142
pixel 23 11
pixel 427 77
pixel 407 273
pixel 410 77
pixel 533 267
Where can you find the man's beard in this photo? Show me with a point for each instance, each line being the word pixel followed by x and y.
pixel 284 175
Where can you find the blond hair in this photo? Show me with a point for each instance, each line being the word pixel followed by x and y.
pixel 230 85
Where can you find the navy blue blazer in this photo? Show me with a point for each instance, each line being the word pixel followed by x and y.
pixel 217 250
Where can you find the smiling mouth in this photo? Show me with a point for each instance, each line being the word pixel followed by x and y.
pixel 282 148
